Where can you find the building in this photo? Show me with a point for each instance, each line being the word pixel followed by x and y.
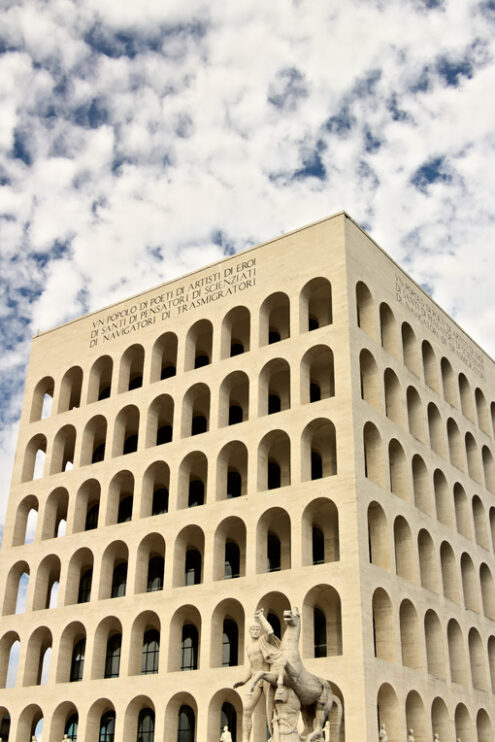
pixel 299 425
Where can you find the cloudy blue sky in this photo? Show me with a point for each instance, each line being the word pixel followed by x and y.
pixel 139 140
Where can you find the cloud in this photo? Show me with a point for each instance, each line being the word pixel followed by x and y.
pixel 139 141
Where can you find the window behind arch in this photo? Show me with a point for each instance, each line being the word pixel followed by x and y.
pixel 151 652
pixel 107 727
pixel 273 553
pixel 119 580
pixel 230 643
pixel 320 632
pixel 232 561
pixel 77 661
pixel 125 509
pixel 70 728
pixel 234 483
pixel 274 622
pixel 92 517
pixel 189 647
pixel 196 495
pixel 318 545
pixel 146 726
pixel 156 567
pixel 112 659
pixel 160 501
pixel 186 724
pixel 85 582
pixel 193 567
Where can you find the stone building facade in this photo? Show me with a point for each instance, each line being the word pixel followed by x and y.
pixel 296 425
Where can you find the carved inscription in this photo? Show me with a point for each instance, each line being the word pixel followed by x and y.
pixel 170 303
pixel 438 325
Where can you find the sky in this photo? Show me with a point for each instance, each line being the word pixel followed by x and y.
pixel 142 140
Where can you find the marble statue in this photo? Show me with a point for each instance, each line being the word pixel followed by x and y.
pixel 226 735
pixel 255 651
pixel 286 712
pixel 436 737
pixel 286 670
pixel 383 736
pixel 410 736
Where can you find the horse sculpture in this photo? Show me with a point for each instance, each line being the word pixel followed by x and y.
pixel 286 669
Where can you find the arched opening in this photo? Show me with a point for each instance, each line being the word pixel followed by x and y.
pixel 462 511
pixel 398 470
pixel 274 319
pixel 383 626
pixel 16 589
pixel 440 719
pixel 477 661
pixel 416 717
pixel 449 383
pixel 428 566
pixel 463 724
pixel 94 441
pixel 415 414
pixel 274 460
pixel 480 523
pixel 365 309
pixel 72 651
pixel 232 471
pixel 378 537
pixel 389 717
pixel 456 448
pixel 79 577
pixel 410 348
pixel 184 639
pixel 466 396
pixel 488 469
pixel 188 556
pixel 38 655
pixel 404 553
pixel 196 410
pixel 430 366
pixel 315 305
pixel 70 389
pixel 322 622
pixel 449 573
pixel 443 500
pixel 63 450
pixel 113 575
pixel 41 406
pixel 483 727
pixel 47 582
pixel 87 510
pixel 120 500
pixel 34 458
pixel 482 411
pixel 469 584
pixel 100 379
pixel 373 454
pixel 393 397
pixel 234 399
pixel 126 431
pixel 436 431
pixel 421 485
pixel 370 388
pixel 274 387
pixel 320 532
pixel 150 564
pixel 160 423
pixel 164 357
pixel 457 657
pixel 199 341
pixel 411 645
pixel 9 659
pixel 388 330
pixel 434 641
pixel 273 541
pixel 26 520
pixel 131 369
pixel 317 374
pixel 318 450
pixel 229 555
pixel 236 329
pixel 55 516
pixel 227 634
pixel 30 722
pixel 192 480
pixel 487 591
pixel 155 490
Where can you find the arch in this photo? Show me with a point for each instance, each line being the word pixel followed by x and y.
pixel 466 397
pixel 9 658
pixel 469 584
pixel 436 431
pixel 34 458
pixel 26 518
pixel 274 387
pixel 488 469
pixel 272 527
pixel 274 460
pixel 233 399
pixel 139 720
pixel 38 651
pixel 487 591
pixel 100 379
pixel 473 458
pixel 318 450
pixel 411 645
pixel 462 511
pixel 365 309
pixel 55 515
pixel 229 549
pixel 180 718
pixel 449 385
pixel 236 332
pixel 393 397
pixel 63 450
pixel 440 719
pixel 456 449
pixel 449 572
pixel 79 577
pixel 317 374
pixel 327 601
pixel 155 489
pixel 477 660
pixel 388 712
pixel 227 634
pixel 196 410
pixel 131 369
pixel 482 411
pixel 428 565
pixel 120 498
pixel 491 660
pixel 388 330
pixel 94 440
pixel 71 654
pixel 16 587
pixel 144 654
pixel 483 727
pixel 70 389
pixel 378 537
pixel 47 582
pixel 373 454
pixel 404 553
pixel 65 720
pixel 164 357
pixel 320 532
pixel 150 564
pixel 370 388
pixel 416 717
pixel 185 639
pixel 480 523
pixel 274 604
pixel 410 348
pixel 274 318
pixel 113 575
pixel 160 421
pixel 443 499
pixel 87 509
pixel 457 657
pixel 232 469
pixel 383 626
pixel 30 720
pixel 193 480
pixel 188 556
pixel 107 643
pixel 100 721
pixel 225 709
pixel 315 305
pixel 463 724
pixel 415 414
pixel 126 431
pixel 434 642
pixel 430 367
pixel 398 470
pixel 41 405
pixel 199 343
pixel 421 485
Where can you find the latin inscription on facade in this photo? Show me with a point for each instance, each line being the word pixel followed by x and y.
pixel 429 316
pixel 193 294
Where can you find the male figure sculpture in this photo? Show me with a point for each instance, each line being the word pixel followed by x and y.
pixel 226 735
pixel 383 736
pixel 261 640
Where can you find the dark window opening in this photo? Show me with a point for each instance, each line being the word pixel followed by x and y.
pixel 119 580
pixel 70 729
pixel 234 483
pixel 320 633
pixel 230 641
pixel 235 414
pixel 189 647
pixel 274 622
pixel 316 465
pixel 314 392
pixel 187 722
pixel 196 493
pixel 107 727
pixel 274 404
pixel 201 360
pixel 193 567
pixel 104 393
pixel 146 726
pixel 156 567
pixel 5 728
pixel 160 501
pixel 92 517
pixel 135 382
pixel 98 453
pixel 313 323
pixel 125 509
pixel 273 336
pixel 130 444
pixel 228 718
pixel 199 425
pixel 236 349
pixel 112 659
pixel 318 546
pixel 273 553
pixel 167 372
pixel 84 592
pixel 163 434
pixel 77 661
pixel 232 561
pixel 274 475
pixel 151 652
